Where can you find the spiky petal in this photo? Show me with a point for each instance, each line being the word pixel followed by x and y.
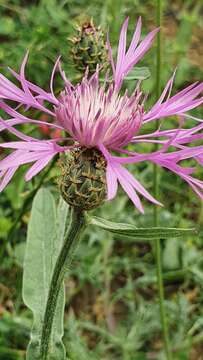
pixel 97 117
pixel 127 59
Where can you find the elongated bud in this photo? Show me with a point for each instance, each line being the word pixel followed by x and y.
pixel 83 178
pixel 89 47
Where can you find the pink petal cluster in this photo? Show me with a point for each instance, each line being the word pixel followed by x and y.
pixel 97 115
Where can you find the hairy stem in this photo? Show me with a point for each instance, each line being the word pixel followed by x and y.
pixel 76 226
pixel 156 190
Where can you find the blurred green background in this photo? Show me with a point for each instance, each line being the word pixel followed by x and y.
pixel 112 308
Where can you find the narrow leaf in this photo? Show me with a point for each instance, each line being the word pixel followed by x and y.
pixel 140 233
pixel 139 73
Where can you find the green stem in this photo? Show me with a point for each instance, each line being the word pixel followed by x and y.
pixel 76 226
pixel 156 191
pixel 161 300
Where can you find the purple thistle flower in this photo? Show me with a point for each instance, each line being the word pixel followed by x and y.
pixel 97 116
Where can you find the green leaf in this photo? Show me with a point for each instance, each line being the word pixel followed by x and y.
pixel 42 248
pixel 5 225
pixel 140 233
pixel 7 26
pixel 172 255
pixel 139 73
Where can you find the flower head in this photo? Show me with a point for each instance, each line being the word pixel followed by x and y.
pixel 95 115
pixel 89 47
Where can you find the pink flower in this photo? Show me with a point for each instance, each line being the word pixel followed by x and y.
pixel 95 115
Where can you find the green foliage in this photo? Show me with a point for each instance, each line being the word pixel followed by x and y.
pixel 139 73
pixel 112 280
pixel 14 335
pixel 42 248
pixel 139 233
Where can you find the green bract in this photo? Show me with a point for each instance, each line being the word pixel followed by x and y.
pixel 83 179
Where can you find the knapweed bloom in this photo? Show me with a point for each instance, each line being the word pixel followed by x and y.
pixel 98 116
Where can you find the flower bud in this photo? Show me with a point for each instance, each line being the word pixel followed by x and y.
pixel 83 178
pixel 89 47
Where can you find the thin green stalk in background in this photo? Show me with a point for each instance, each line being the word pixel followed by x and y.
pixel 76 226
pixel 156 190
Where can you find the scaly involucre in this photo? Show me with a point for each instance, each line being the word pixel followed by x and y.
pixel 95 115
